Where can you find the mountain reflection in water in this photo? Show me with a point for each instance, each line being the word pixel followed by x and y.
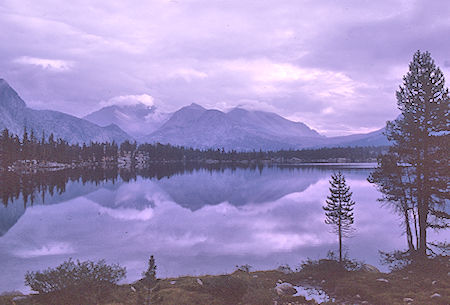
pixel 195 220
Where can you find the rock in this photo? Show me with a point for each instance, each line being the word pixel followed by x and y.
pixel 408 300
pixel 382 280
pixel 173 282
pixel 323 282
pixel 255 276
pixel 18 298
pixel 285 289
pixel 133 289
pixel 370 268
pixel 357 296
pixel 405 278
pixel 433 282
pixel 364 302
pixel 199 281
pixel 435 296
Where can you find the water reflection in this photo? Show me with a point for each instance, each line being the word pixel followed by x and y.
pixel 194 221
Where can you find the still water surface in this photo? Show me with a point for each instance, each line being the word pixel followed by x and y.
pixel 195 222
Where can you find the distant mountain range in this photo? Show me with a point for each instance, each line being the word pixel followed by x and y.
pixel 237 129
pixel 15 115
pixel 190 126
pixel 241 129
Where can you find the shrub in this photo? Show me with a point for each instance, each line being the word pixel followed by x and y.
pixel 244 268
pixel 75 282
pixel 329 266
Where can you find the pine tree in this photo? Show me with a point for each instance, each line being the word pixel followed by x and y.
pixel 339 208
pixel 149 279
pixel 420 138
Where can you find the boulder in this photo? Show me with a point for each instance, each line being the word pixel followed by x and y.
pixel 382 280
pixel 435 296
pixel 199 281
pixel 370 268
pixel 285 289
pixel 408 300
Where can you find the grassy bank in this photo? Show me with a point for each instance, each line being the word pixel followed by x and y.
pixel 420 284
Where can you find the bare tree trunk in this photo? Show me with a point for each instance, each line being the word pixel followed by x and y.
pixel 409 237
pixel 413 209
pixel 423 215
pixel 415 228
pixel 340 242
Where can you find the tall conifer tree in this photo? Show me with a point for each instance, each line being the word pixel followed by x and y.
pixel 420 139
pixel 339 208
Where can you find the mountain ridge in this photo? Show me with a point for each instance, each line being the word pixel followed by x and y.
pixel 16 116
pixel 241 129
pixel 191 126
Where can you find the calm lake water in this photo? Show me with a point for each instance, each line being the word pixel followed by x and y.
pixel 195 222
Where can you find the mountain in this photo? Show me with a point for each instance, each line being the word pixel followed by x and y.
pixel 237 129
pixel 374 138
pixel 241 129
pixel 15 115
pixel 190 126
pixel 137 120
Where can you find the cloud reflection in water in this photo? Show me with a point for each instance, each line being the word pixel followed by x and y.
pixel 198 223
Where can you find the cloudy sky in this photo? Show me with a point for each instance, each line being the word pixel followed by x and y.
pixel 334 65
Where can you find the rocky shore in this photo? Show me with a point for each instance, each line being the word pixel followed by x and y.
pixel 322 282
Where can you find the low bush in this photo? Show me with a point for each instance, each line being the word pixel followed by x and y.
pixel 75 282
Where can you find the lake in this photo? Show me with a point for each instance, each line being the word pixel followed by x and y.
pixel 194 220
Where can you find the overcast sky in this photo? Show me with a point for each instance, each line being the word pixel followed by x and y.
pixel 334 65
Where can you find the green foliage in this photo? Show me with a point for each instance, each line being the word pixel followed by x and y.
pixel 339 208
pixel 329 266
pixel 414 174
pixel 244 268
pixel 394 183
pixel 13 149
pixel 76 282
pixel 149 279
pixel 49 149
pixel 150 273
pixel 403 260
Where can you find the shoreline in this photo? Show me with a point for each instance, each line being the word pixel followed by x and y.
pixel 33 166
pixel 318 282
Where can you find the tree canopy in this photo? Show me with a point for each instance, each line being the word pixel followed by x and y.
pixel 414 174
